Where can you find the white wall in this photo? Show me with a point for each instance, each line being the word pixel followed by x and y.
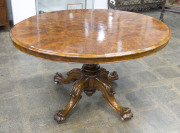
pixel 54 5
pixel 89 4
pixel 100 4
pixel 23 9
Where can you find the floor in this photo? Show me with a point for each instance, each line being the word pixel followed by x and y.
pixel 150 86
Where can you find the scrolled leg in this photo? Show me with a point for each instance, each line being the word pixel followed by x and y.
pixel 105 88
pixel 73 74
pixel 89 79
pixel 75 94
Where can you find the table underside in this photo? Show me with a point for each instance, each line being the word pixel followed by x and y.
pixel 88 79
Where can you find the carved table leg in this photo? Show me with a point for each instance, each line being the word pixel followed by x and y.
pixel 89 79
pixel 108 94
pixel 73 74
pixel 75 97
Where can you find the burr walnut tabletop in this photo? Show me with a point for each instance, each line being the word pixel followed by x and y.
pixel 90 37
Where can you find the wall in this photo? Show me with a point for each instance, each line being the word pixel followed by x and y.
pixel 100 4
pixel 22 9
pixel 53 5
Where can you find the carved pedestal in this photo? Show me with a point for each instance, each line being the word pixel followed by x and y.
pixel 88 79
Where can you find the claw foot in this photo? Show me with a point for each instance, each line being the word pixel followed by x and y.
pixel 57 78
pixel 113 76
pixel 127 114
pixel 59 116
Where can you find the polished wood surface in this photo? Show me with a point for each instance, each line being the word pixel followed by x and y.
pixel 89 78
pixel 90 36
pixel 4 20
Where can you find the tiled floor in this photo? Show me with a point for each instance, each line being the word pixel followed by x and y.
pixel 150 86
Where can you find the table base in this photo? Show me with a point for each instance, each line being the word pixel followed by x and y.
pixel 89 78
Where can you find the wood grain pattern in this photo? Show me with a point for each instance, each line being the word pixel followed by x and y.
pixel 90 36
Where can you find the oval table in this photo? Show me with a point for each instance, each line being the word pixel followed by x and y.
pixel 90 37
